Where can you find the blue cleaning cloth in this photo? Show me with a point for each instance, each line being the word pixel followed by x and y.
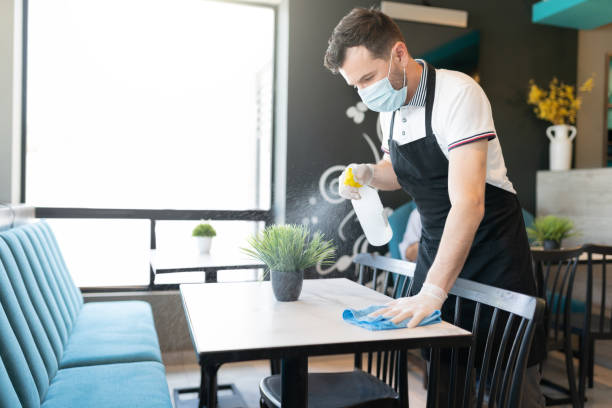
pixel 360 318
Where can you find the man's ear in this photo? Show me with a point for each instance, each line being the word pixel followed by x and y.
pixel 402 52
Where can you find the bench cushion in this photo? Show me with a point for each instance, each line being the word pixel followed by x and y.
pixel 112 332
pixel 129 385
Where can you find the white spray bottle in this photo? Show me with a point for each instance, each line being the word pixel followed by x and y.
pixel 370 212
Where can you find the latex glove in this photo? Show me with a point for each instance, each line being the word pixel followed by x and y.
pixel 362 174
pixel 419 306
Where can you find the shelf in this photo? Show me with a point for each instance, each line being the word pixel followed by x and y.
pixel 578 14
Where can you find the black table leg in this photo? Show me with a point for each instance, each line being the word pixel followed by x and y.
pixel 294 382
pixel 210 276
pixel 208 386
pixel 274 366
pixel 202 395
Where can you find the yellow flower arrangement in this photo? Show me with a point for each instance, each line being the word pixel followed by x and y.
pixel 559 104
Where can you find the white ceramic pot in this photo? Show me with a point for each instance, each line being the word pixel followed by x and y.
pixel 561 137
pixel 203 244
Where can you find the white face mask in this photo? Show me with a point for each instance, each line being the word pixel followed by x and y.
pixel 381 96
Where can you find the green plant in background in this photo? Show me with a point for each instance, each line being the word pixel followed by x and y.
pixel 204 230
pixel 290 248
pixel 551 228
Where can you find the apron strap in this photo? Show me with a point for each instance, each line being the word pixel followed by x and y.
pixel 429 98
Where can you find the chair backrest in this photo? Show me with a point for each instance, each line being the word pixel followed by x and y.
pixel 598 259
pixel 555 271
pixel 393 278
pixel 506 353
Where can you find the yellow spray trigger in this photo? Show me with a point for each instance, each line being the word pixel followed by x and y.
pixel 349 180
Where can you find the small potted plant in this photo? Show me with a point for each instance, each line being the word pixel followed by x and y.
pixel 550 231
pixel 287 250
pixel 203 234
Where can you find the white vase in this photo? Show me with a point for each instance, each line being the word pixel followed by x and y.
pixel 561 137
pixel 203 244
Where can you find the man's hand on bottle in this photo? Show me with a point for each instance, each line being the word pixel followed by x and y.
pixel 362 174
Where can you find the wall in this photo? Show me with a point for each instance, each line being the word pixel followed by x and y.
pixel 588 205
pixel 320 135
pixel 10 100
pixel 593 45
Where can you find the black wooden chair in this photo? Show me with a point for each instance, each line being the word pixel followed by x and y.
pixel 555 271
pixel 382 381
pixel 596 324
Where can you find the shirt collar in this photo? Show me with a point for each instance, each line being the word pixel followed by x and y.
pixel 418 99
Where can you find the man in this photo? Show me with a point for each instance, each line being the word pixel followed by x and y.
pixel 409 246
pixel 441 147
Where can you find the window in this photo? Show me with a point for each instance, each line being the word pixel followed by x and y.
pixel 146 104
pixel 149 104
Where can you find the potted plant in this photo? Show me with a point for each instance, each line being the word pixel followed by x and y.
pixel 287 250
pixel 203 234
pixel 549 231
pixel 559 106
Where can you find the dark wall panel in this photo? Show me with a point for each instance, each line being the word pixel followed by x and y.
pixel 321 135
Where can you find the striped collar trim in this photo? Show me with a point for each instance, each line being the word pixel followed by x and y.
pixel 418 99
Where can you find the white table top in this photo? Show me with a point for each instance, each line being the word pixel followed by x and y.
pixel 186 261
pixel 233 317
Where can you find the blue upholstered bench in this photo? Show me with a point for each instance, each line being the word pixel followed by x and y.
pixel 55 350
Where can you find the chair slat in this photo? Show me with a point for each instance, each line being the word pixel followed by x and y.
pixel 514 350
pixel 471 357
pixel 374 278
pixel 361 268
pixel 385 282
pixel 385 366
pixel 497 370
pixel 603 296
pixel 453 388
pixel 484 368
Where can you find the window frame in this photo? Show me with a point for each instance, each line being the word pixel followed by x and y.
pixel 153 215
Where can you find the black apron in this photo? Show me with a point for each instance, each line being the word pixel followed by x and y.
pixel 500 254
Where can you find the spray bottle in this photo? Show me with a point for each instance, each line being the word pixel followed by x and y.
pixel 370 212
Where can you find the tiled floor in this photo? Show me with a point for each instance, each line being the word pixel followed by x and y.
pixel 246 377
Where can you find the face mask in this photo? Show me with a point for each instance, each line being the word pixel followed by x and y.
pixel 381 97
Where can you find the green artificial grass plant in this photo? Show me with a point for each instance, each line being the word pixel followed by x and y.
pixel 551 228
pixel 290 248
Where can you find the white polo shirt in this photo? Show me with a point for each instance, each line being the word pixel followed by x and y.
pixel 461 114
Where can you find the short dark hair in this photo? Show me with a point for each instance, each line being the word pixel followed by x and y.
pixel 362 26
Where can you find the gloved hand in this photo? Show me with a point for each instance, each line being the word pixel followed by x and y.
pixel 419 306
pixel 362 174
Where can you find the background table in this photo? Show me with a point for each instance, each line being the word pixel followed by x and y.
pixel 582 259
pixel 242 321
pixel 166 261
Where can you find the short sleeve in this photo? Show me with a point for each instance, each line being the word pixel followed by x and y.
pixel 469 117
